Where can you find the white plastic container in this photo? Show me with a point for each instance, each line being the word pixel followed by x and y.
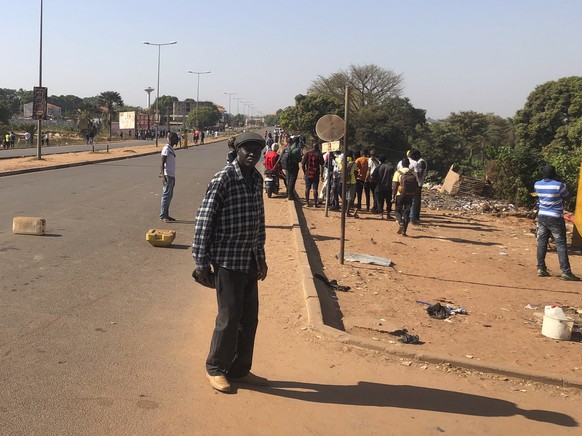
pixel 554 311
pixel 556 324
pixel 28 225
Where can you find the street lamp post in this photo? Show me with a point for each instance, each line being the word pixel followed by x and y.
pixel 244 103
pixel 149 90
pixel 230 94
pixel 39 124
pixel 198 73
pixel 159 45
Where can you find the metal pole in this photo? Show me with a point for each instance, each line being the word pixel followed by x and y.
pixel 158 97
pixel 230 94
pixel 39 121
pixel 344 172
pixel 329 180
pixel 158 88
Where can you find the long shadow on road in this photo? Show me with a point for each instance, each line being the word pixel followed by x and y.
pixel 410 397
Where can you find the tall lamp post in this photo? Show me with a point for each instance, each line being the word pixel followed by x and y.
pixel 39 125
pixel 245 103
pixel 159 45
pixel 230 94
pixel 198 73
pixel 149 90
pixel 238 99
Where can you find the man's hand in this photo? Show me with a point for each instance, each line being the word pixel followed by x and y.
pixel 263 268
pixel 203 276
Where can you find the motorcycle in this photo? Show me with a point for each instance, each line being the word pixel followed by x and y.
pixel 271 183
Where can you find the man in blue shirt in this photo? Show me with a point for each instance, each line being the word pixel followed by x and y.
pixel 551 194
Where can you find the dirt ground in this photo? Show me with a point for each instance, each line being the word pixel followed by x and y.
pixel 483 262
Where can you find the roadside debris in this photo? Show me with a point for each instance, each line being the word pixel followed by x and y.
pixel 407 338
pixel 438 311
pixel 331 283
pixel 366 258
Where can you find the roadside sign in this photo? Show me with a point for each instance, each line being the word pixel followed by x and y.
pixel 39 103
pixel 330 146
pixel 330 128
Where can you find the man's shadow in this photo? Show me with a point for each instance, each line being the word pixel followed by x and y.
pixel 409 397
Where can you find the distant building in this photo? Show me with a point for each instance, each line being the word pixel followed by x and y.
pixel 53 112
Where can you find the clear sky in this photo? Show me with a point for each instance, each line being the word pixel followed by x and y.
pixel 455 55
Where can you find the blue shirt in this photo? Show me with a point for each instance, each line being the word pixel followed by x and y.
pixel 551 194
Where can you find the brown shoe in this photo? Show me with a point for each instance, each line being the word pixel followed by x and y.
pixel 252 379
pixel 219 382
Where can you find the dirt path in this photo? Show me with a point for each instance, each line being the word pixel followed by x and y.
pixel 483 263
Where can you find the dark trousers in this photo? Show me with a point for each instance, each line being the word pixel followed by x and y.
pixel 384 197
pixel 362 187
pixel 547 226
pixel 291 180
pixel 372 186
pixel 402 211
pixel 415 209
pixel 233 339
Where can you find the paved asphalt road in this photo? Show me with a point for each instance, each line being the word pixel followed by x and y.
pixel 91 314
pixel 31 151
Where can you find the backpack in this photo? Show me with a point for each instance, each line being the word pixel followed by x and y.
pixel 284 157
pixel 408 184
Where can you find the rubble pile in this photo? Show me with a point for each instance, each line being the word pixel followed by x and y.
pixel 433 199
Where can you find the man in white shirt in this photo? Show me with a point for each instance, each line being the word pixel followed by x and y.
pixel 168 172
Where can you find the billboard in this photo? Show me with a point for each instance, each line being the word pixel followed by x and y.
pixel 127 120
pixel 39 103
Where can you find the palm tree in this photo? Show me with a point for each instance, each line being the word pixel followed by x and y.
pixel 110 102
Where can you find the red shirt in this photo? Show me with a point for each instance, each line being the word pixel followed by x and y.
pixel 271 158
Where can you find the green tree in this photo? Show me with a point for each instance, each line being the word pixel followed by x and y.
pixel 390 127
pixel 110 102
pixel 302 118
pixel 550 111
pixel 471 128
pixel 208 116
pixel 550 124
pixel 68 104
pixel 5 113
pixel 371 85
pixel 165 104
pixel 271 120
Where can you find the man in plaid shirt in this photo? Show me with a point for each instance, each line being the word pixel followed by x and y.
pixel 229 235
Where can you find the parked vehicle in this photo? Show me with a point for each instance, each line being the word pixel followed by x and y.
pixel 271 183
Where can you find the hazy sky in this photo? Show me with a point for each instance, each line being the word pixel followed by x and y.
pixel 455 55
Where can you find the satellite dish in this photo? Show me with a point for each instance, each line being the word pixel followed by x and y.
pixel 330 128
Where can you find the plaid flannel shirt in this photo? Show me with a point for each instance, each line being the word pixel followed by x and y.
pixel 230 222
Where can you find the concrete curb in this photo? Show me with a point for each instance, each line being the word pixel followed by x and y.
pixel 315 320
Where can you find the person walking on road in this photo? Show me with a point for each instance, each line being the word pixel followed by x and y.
pixel 229 235
pixel 168 172
pixel 551 194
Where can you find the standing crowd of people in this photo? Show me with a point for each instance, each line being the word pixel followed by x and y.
pixel 370 180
